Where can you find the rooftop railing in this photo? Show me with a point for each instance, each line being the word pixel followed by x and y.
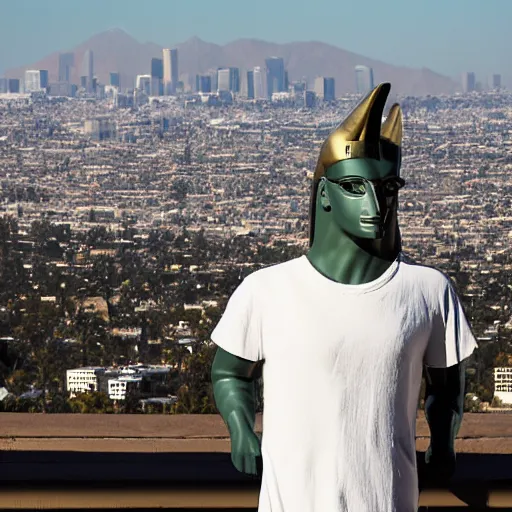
pixel 183 462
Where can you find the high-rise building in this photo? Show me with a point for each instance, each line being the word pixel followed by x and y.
pixel 250 85
pixel 496 82
pixel 228 79
pixel 275 75
pixel 329 89
pixel 170 70
pixel 4 85
pixel 88 69
pixel 324 88
pixel 36 80
pixel 115 79
pixel 364 79
pixel 203 83
pixel 157 68
pixel 166 65
pixel 157 75
pixel 143 83
pixel 214 76
pixel 234 77
pixel 468 82
pixel 14 85
pixel 309 99
pixel 223 81
pixel 66 63
pixel 259 93
pixel 43 77
pixel 175 77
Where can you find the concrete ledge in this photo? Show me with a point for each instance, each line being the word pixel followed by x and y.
pixel 183 462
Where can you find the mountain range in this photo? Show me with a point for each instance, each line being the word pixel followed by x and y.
pixel 115 50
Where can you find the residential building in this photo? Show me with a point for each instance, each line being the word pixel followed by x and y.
pixel 503 384
pixel 83 380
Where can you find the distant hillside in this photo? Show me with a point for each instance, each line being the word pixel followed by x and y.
pixel 115 50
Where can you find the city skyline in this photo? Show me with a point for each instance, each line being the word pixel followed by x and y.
pixel 410 44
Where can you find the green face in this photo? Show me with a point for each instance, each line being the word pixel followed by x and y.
pixel 362 193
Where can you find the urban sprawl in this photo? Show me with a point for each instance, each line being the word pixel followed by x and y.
pixel 183 187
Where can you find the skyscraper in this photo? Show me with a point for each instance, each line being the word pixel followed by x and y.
pixel 228 79
pixel 43 78
pixel 258 83
pixel 234 77
pixel 14 85
pixel 143 83
pixel 203 83
pixel 88 69
pixel 250 85
pixel 309 99
pixel 223 82
pixel 364 79
pixel 157 68
pixel 115 79
pixel 170 70
pixel 496 82
pixel 157 75
pixel 275 75
pixel 66 63
pixel 324 88
pixel 36 80
pixel 468 82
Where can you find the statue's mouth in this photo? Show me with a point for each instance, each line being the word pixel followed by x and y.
pixel 371 220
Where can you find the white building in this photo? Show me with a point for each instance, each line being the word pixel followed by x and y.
pixel 503 384
pixel 259 92
pixel 170 64
pixel 143 83
pixel 83 380
pixel 35 80
pixel 117 387
pixel 224 80
pixel 364 79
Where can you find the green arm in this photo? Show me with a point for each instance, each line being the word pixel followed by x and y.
pixel 233 388
pixel 444 409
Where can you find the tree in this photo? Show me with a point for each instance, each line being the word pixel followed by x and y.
pixel 94 402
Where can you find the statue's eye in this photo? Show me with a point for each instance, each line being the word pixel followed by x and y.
pixel 355 187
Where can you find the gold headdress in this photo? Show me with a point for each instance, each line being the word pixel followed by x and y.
pixel 361 136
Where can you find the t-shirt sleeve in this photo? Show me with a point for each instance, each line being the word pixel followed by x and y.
pixel 451 340
pixel 239 329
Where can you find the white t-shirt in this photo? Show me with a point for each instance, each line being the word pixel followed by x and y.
pixel 341 379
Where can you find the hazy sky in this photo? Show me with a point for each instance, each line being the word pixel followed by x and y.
pixel 448 36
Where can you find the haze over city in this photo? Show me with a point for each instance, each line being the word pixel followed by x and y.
pixel 448 38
